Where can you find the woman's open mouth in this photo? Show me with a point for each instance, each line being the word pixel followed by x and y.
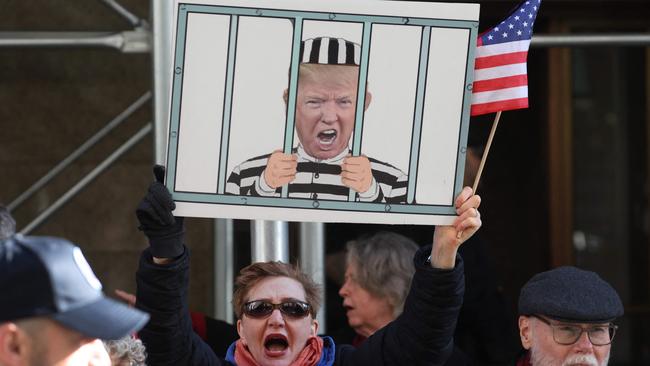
pixel 275 345
pixel 327 137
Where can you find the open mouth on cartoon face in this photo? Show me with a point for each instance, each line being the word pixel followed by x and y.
pixel 327 137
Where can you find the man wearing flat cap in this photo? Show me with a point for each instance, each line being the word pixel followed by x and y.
pixel 52 310
pixel 566 318
pixel 321 166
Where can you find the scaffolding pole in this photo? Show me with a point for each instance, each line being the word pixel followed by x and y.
pixel 124 13
pixel 92 141
pixel 312 260
pixel 83 183
pixel 224 260
pixel 135 41
pixel 269 241
pixel 162 14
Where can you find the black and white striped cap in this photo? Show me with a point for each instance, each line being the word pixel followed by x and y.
pixel 329 51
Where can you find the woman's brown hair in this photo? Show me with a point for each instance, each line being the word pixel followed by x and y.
pixel 249 276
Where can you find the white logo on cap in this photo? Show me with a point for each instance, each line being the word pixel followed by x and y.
pixel 85 269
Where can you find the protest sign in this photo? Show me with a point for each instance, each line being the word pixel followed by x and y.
pixel 256 134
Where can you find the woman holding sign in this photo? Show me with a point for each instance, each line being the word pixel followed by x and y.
pixel 276 304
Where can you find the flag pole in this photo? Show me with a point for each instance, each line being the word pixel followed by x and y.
pixel 483 159
pixel 487 150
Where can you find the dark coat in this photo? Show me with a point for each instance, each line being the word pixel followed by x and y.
pixel 421 335
pixel 347 335
pixel 218 334
pixel 485 331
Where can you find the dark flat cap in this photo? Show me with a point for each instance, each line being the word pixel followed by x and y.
pixel 570 294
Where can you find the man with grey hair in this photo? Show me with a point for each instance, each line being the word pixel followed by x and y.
pixel 7 223
pixel 566 318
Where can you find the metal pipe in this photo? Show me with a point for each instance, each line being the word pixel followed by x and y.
pixel 566 40
pixel 312 259
pixel 138 40
pixel 223 274
pixel 269 241
pixel 124 12
pixel 48 39
pixel 162 25
pixel 135 41
pixel 87 179
pixel 80 151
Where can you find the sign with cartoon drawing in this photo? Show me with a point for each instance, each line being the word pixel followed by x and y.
pixel 321 110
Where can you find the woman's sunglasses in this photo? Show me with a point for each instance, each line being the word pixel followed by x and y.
pixel 261 309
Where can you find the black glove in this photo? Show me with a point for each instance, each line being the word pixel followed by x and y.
pixel 164 231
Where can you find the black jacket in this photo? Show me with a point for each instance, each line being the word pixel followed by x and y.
pixel 421 335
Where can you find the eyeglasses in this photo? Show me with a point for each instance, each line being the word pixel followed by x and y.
pixel 294 309
pixel 567 334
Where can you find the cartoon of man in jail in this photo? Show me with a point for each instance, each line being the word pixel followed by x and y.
pixel 321 166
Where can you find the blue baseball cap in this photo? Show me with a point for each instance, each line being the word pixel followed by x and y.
pixel 47 276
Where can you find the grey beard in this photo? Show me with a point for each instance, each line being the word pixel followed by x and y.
pixel 538 358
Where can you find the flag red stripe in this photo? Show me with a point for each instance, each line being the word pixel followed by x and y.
pixel 500 72
pixel 500 83
pixel 503 105
pixel 500 60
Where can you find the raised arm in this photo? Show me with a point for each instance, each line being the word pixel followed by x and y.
pixel 162 284
pixel 423 333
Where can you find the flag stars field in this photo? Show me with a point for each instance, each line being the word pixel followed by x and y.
pixel 500 72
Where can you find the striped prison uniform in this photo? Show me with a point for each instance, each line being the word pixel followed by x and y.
pixel 318 179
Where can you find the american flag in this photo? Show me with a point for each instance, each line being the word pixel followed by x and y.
pixel 500 76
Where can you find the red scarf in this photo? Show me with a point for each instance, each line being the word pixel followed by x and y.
pixel 309 356
pixel 524 360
